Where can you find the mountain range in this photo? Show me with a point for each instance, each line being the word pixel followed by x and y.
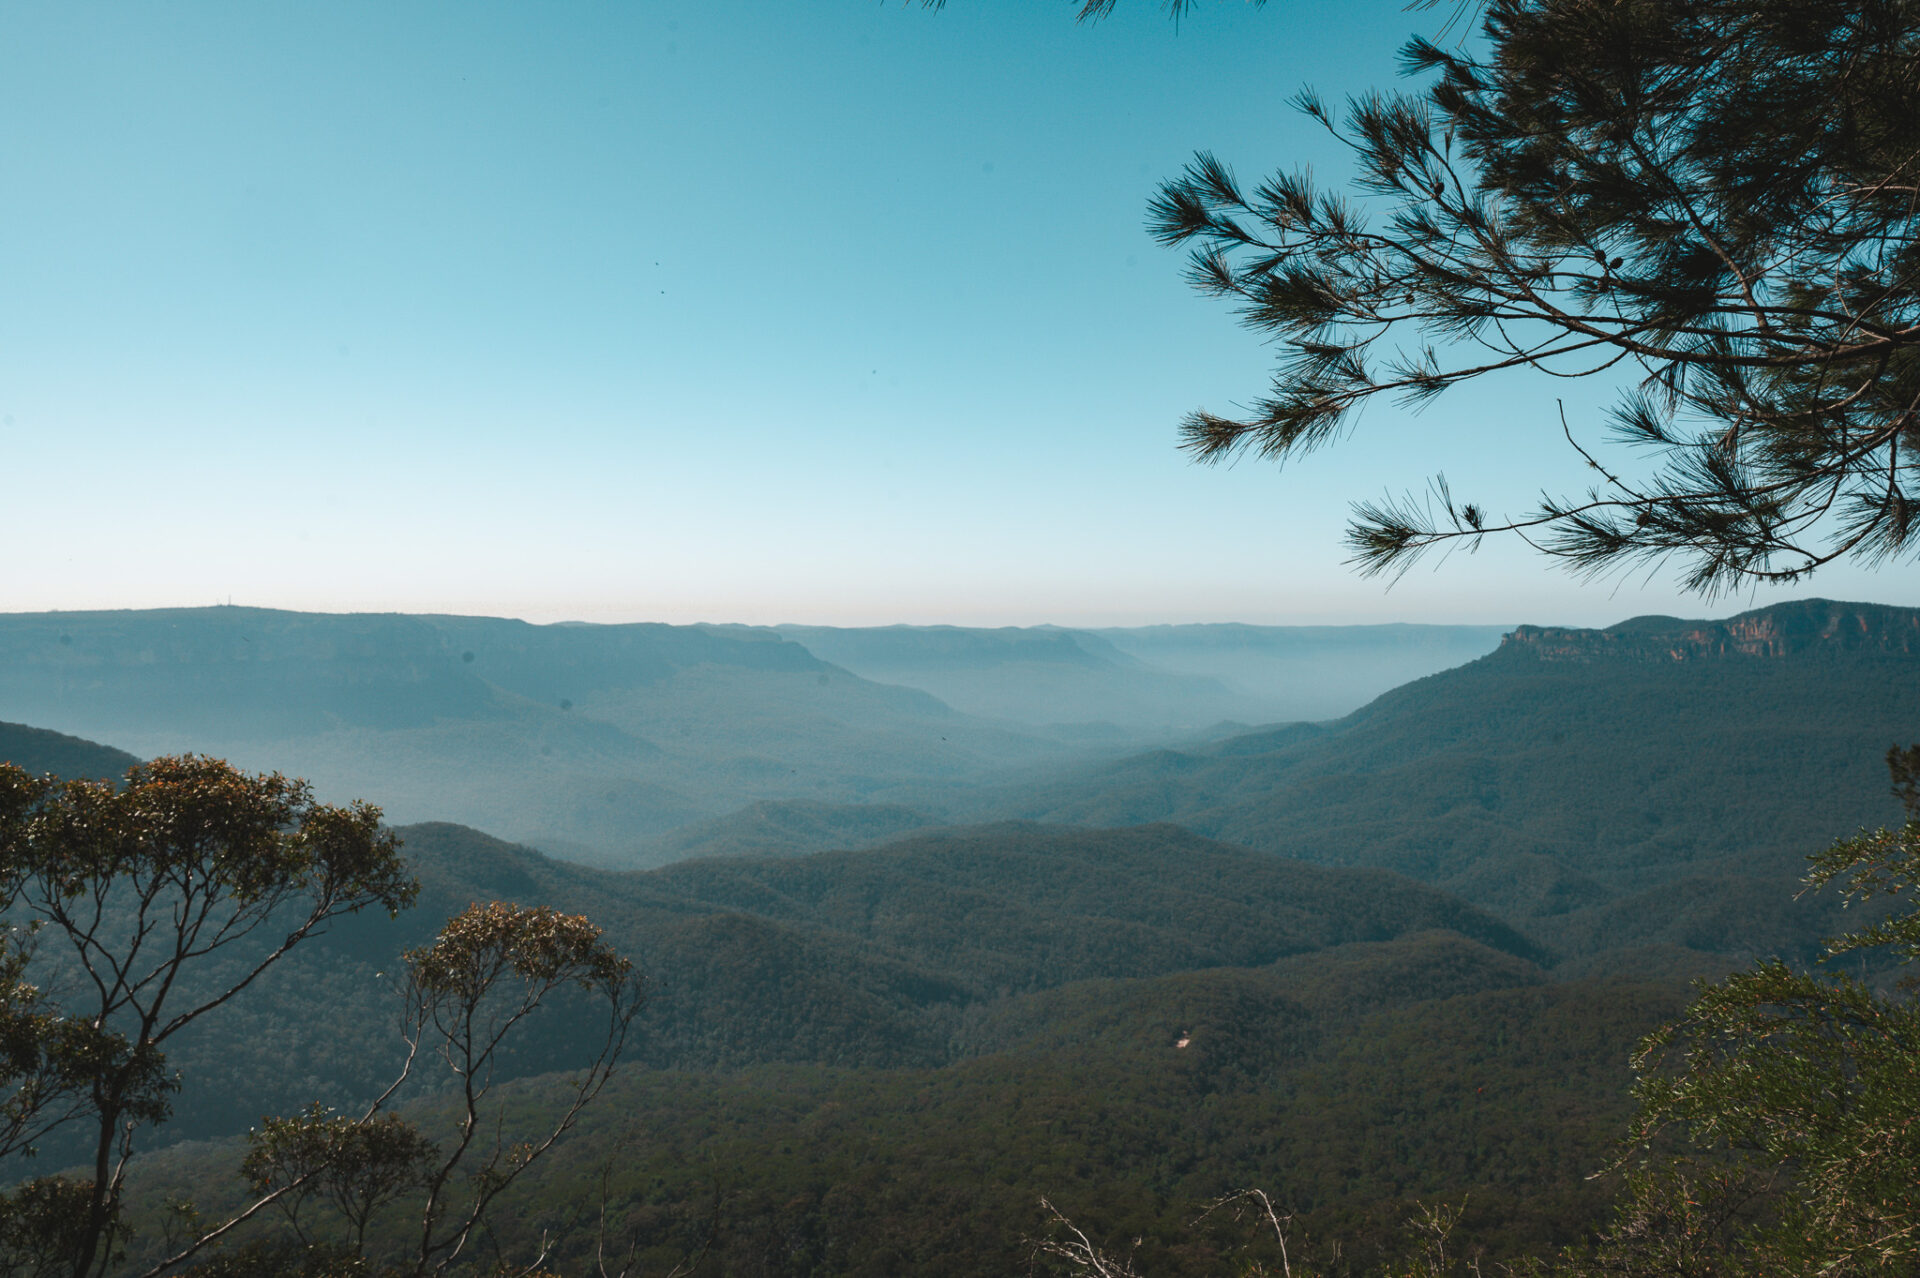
pixel 1399 955
pixel 1656 781
pixel 585 740
pixel 600 742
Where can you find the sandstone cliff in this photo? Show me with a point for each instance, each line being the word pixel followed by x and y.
pixel 1805 628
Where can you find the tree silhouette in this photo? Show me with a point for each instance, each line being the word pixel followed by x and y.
pixel 1721 197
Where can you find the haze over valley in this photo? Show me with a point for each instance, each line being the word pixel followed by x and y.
pixel 866 892
pixel 618 744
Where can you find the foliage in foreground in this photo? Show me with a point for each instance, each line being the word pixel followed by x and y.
pixel 1795 1097
pixel 132 912
pixel 1713 196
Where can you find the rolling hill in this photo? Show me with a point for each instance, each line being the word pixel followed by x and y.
pixel 70 758
pixel 1630 777
pixel 882 1058
pixel 785 827
pixel 1350 1082
pixel 913 955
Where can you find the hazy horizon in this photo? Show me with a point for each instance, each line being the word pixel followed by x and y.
pixel 1594 617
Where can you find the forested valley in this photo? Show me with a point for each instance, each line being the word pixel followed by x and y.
pixel 1377 965
pixel 568 870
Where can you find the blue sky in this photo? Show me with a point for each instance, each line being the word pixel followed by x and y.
pixel 831 312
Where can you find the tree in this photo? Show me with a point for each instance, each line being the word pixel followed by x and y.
pixel 1780 1117
pixel 162 900
pixel 1721 197
pixel 490 969
pixel 1778 1133
pixel 141 886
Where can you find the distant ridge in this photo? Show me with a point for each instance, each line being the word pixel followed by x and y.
pixel 587 739
pixel 1149 683
pixel 40 750
pixel 1661 778
pixel 1801 628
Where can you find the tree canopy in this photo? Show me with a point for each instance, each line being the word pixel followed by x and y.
pixel 1720 198
pixel 1777 1133
pixel 128 913
pixel 140 887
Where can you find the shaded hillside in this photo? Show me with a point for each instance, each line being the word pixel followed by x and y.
pixel 880 959
pixel 783 827
pixel 585 739
pixel 1020 906
pixel 1568 769
pixel 1349 1085
pixel 70 758
pixel 939 1031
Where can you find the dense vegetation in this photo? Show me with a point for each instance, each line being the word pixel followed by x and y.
pixel 878 1061
pixel 1127 1020
pixel 1352 1082
pixel 783 827
pixel 894 958
pixel 1546 783
pixel 1776 1131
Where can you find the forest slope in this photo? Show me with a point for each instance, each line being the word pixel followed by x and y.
pixel 1572 769
pixel 911 955
pixel 1349 1083
pixel 41 751
pixel 882 1059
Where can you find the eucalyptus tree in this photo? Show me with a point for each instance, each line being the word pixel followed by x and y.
pixel 122 896
pixel 1777 1133
pixel 491 968
pixel 131 912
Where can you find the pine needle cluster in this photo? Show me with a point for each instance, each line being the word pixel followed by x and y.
pixel 1720 197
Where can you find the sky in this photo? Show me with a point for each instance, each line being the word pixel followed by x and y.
pixel 836 312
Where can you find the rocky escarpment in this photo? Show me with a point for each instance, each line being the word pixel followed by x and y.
pixel 1805 628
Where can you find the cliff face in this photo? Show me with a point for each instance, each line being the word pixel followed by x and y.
pixel 1806 628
